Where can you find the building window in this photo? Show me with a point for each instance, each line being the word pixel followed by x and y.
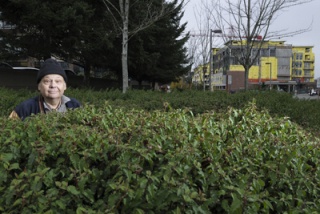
pixel 307 73
pixel 265 52
pixel 307 65
pixel 272 52
pixel 296 72
pixel 299 56
pixel 297 64
pixel 307 57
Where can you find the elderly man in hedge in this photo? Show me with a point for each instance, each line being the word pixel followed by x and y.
pixel 52 82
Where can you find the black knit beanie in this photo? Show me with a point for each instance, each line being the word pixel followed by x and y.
pixel 51 66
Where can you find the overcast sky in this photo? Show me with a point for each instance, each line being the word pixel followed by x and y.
pixel 294 18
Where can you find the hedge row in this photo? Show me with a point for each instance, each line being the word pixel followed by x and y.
pixel 303 112
pixel 115 160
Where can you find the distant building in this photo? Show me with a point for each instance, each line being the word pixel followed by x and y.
pixel 278 66
pixel 201 75
pixel 303 64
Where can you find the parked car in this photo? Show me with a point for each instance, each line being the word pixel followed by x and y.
pixel 8 66
pixel 313 92
pixel 25 69
pixel 5 65
pixel 70 72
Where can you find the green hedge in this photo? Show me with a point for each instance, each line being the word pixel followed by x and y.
pixel 115 160
pixel 303 112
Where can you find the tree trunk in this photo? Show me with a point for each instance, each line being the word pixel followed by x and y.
pixel 86 79
pixel 246 76
pixel 146 21
pixel 124 57
pixel 153 85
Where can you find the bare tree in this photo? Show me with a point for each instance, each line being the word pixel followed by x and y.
pixel 192 51
pixel 121 20
pixel 244 20
pixel 200 39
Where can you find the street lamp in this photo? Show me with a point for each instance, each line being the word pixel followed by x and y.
pixel 270 67
pixel 210 52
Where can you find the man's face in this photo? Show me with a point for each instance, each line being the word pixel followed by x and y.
pixel 52 86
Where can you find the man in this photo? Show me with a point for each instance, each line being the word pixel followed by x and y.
pixel 52 82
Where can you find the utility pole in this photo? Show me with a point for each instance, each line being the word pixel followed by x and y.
pixel 211 56
pixel 204 69
pixel 270 69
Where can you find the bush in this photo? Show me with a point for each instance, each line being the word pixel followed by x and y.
pixel 107 160
pixel 10 98
pixel 303 112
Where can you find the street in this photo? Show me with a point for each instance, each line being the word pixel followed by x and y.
pixel 307 96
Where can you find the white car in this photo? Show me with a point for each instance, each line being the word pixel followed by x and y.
pixel 313 92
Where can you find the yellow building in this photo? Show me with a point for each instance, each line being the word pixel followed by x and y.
pixel 201 75
pixel 278 66
pixel 302 64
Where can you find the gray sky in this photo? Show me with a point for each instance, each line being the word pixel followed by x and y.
pixel 293 18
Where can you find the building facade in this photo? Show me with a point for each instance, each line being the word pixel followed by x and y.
pixel 278 66
pixel 303 60
pixel 200 76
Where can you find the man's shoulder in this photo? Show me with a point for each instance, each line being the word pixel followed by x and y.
pixel 28 107
pixel 73 103
pixel 29 102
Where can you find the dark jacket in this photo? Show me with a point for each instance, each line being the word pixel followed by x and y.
pixel 35 106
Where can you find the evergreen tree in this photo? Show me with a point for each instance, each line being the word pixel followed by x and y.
pixel 70 29
pixel 82 30
pixel 158 54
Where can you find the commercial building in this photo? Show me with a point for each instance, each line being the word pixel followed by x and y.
pixel 277 66
pixel 200 75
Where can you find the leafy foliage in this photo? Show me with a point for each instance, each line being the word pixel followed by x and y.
pixel 302 112
pixel 95 160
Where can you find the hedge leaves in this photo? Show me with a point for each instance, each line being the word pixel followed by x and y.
pixel 114 160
